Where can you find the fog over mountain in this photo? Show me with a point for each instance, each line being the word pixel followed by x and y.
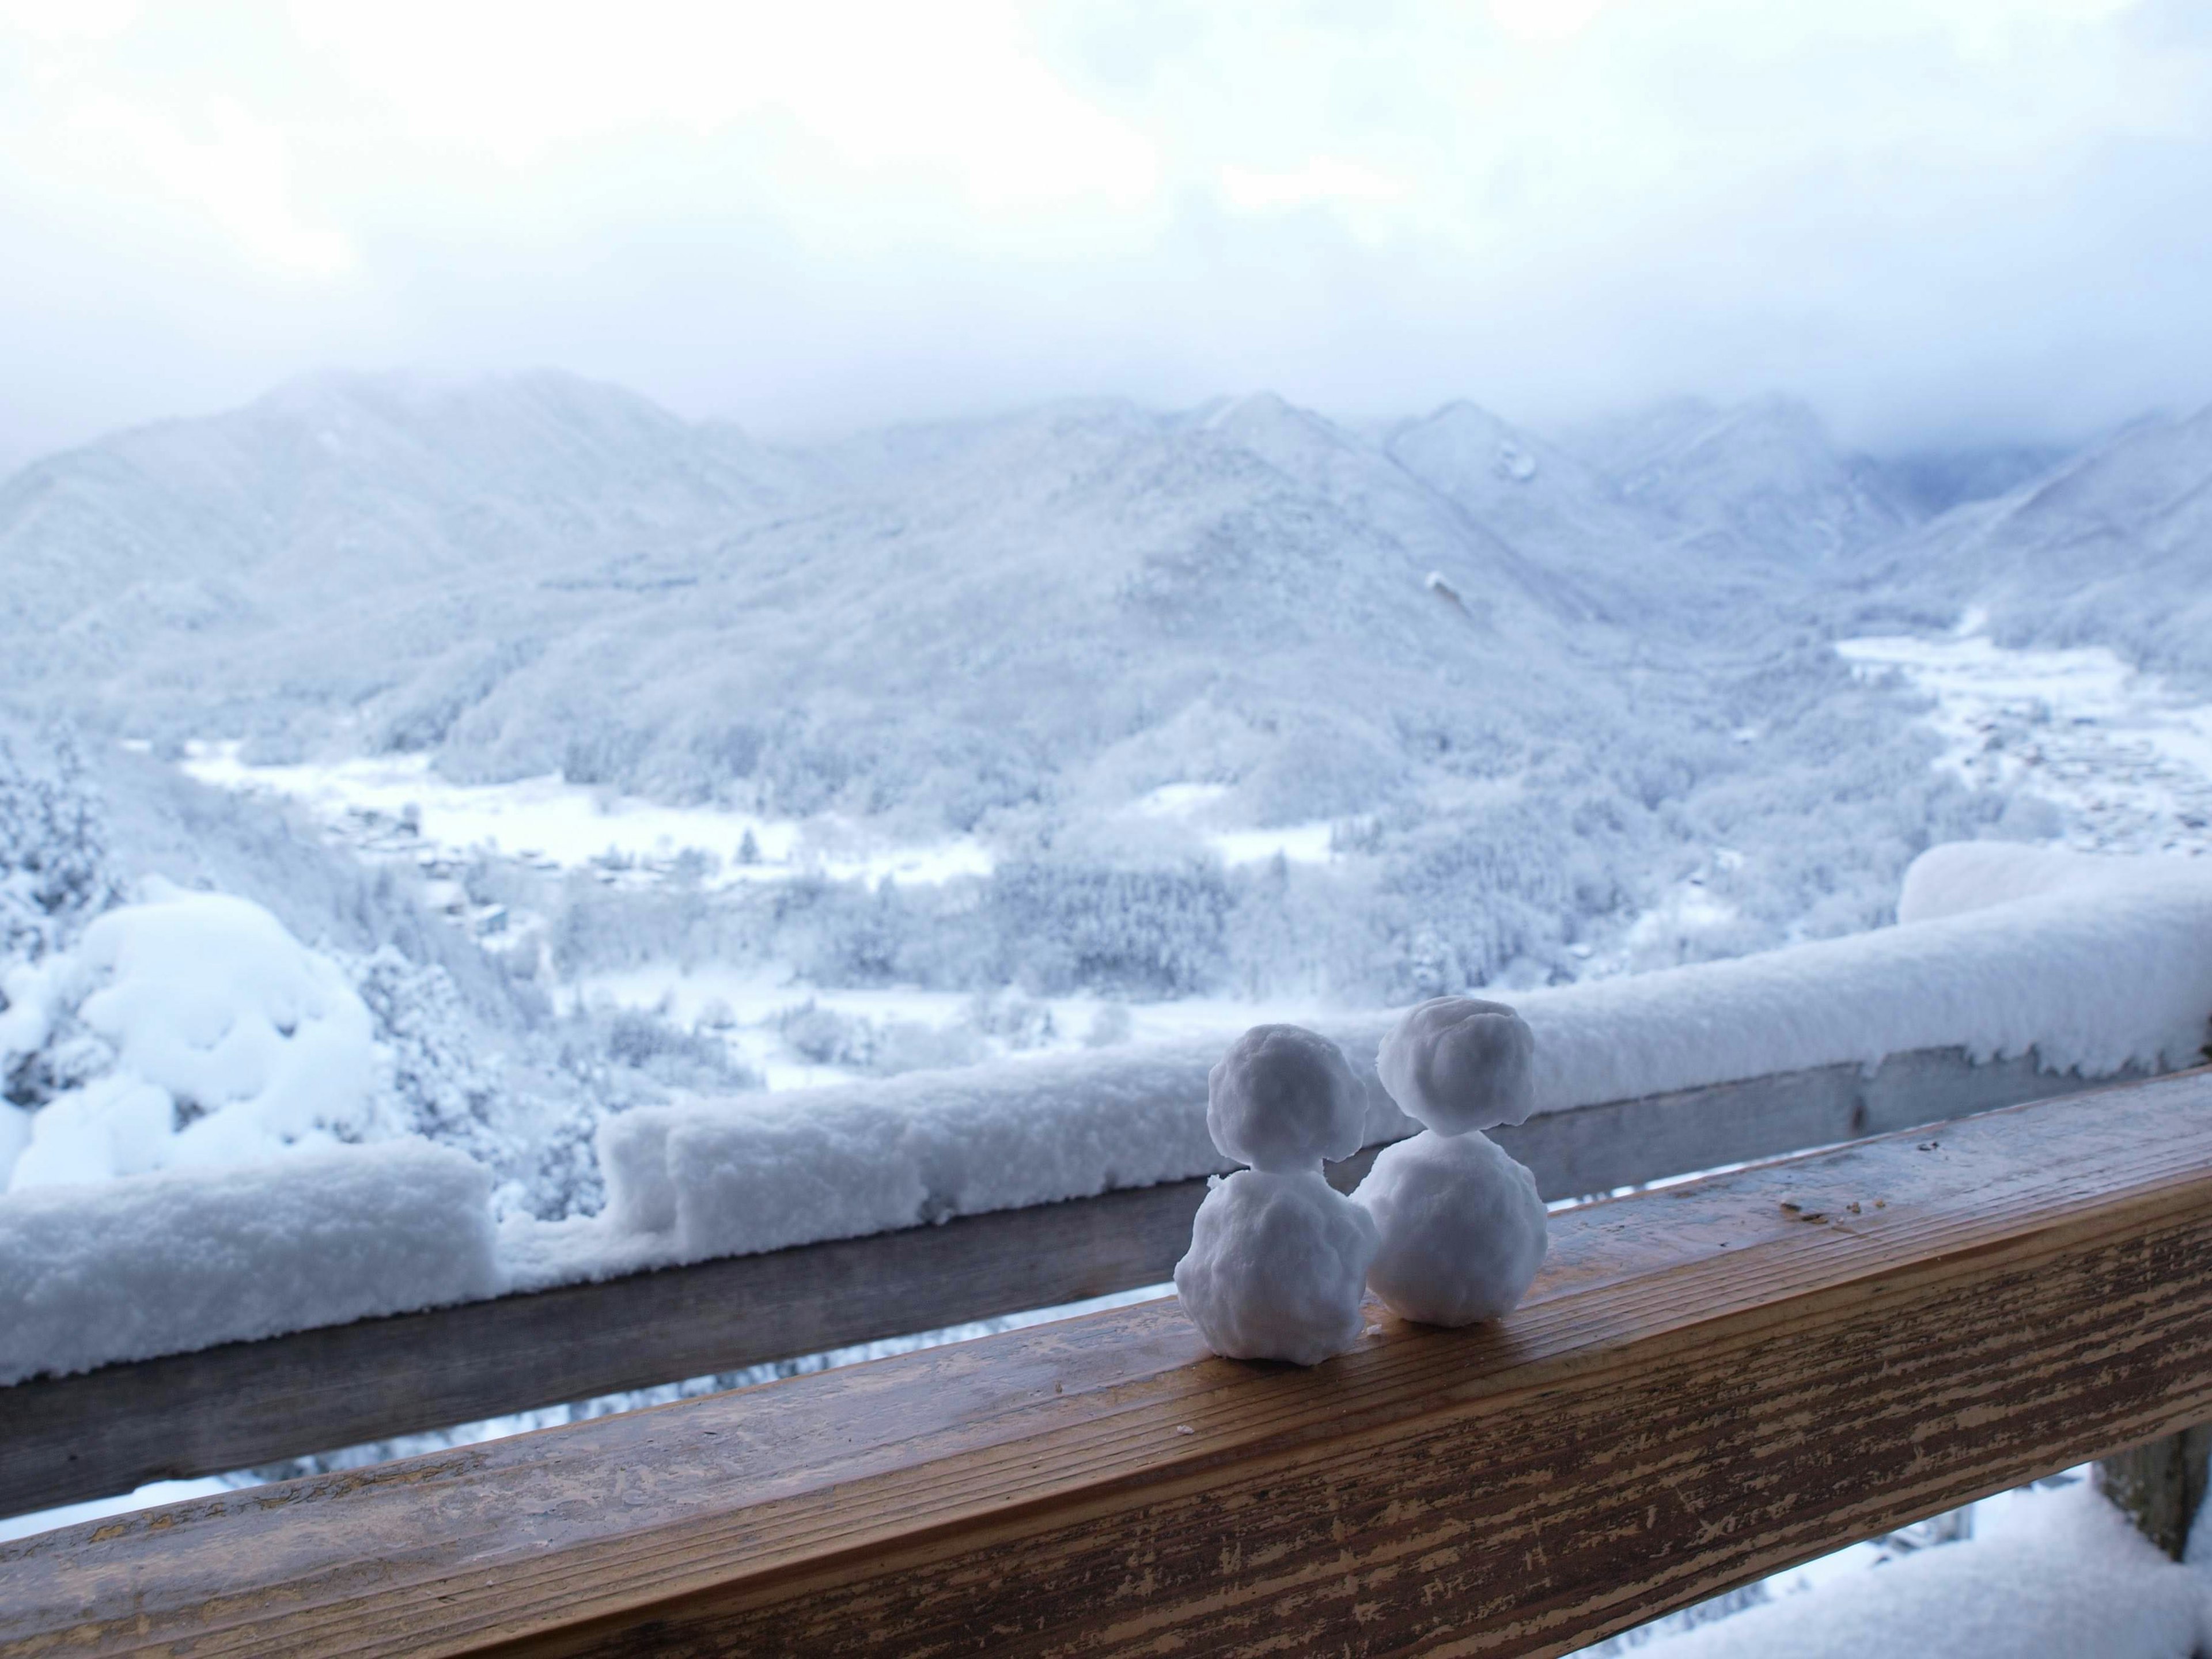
pixel 2111 547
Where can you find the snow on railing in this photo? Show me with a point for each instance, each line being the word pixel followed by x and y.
pixel 1703 1387
pixel 2095 966
pixel 166 1262
pixel 2099 966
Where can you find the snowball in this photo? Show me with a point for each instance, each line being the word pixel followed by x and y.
pixel 1282 1099
pixel 1277 1266
pixel 1457 1064
pixel 1462 1225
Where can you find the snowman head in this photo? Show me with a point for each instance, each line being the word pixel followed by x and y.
pixel 1457 1064
pixel 1282 1099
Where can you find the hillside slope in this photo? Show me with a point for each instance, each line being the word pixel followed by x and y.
pixel 2111 548
pixel 542 574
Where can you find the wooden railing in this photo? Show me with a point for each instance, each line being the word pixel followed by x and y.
pixel 252 1403
pixel 1708 1383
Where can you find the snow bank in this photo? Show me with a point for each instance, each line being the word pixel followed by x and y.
pixel 2104 963
pixel 2068 1577
pixel 168 1262
pixel 730 1178
pixel 187 1029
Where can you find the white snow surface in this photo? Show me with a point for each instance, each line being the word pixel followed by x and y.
pixel 2126 755
pixel 1460 1063
pixel 2060 1575
pixel 1277 1266
pixel 1462 1225
pixel 180 1259
pixel 569 826
pixel 1283 1099
pixel 1963 876
pixel 726 1177
pixel 196 1030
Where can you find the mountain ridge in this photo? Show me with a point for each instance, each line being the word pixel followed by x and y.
pixel 540 573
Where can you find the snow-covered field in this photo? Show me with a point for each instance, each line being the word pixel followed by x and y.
pixel 1196 802
pixel 2123 758
pixel 2126 757
pixel 396 804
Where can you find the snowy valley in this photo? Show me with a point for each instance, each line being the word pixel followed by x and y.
pixel 590 755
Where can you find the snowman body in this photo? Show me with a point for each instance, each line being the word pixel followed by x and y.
pixel 1460 1223
pixel 1277 1266
pixel 1278 1259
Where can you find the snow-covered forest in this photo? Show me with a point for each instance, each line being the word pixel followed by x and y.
pixel 478 762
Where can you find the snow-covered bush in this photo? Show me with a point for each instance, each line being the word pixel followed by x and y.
pixel 830 1036
pixel 1163 933
pixel 644 1041
pixel 1019 1021
pixel 185 1028
pixel 444 1086
pixel 54 872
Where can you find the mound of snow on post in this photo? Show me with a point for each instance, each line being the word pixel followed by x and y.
pixel 2105 966
pixel 182 1260
pixel 188 1029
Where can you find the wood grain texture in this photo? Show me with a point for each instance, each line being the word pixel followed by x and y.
pixel 250 1403
pixel 1708 1383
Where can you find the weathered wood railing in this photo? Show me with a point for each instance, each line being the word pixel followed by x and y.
pixel 250 1403
pixel 1708 1383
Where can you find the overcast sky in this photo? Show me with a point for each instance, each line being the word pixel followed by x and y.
pixel 1940 220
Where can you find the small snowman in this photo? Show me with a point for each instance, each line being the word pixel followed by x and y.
pixel 1279 1258
pixel 1462 1224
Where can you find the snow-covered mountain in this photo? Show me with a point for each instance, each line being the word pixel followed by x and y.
pixel 1532 679
pixel 542 574
pixel 1761 482
pixel 343 509
pixel 2111 548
